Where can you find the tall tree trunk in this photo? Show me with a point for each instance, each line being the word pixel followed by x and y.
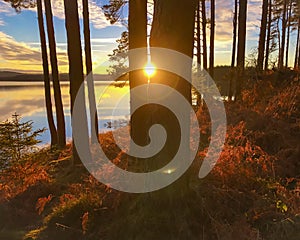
pixel 288 34
pixel 137 39
pixel 76 75
pixel 170 31
pixel 283 35
pixel 61 131
pixel 52 128
pixel 242 30
pixel 204 21
pixel 198 16
pixel 297 46
pixel 235 21
pixel 268 35
pixel 89 73
pixel 212 40
pixel 262 36
pixel 233 57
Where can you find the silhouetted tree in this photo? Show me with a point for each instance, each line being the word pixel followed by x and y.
pixel 137 39
pixel 268 34
pixel 212 39
pixel 262 36
pixel 176 33
pixel 242 30
pixel 204 43
pixel 198 32
pixel 76 76
pixel 235 22
pixel 61 131
pixel 283 35
pixel 89 72
pixel 52 128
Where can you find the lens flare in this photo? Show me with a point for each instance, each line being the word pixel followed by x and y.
pixel 149 70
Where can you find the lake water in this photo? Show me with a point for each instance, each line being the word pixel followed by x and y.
pixel 27 100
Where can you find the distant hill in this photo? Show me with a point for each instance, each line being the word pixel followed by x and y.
pixel 24 77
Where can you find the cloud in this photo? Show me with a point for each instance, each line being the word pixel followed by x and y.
pixel 21 56
pixel 97 17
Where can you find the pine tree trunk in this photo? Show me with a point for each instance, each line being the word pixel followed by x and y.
pixel 297 47
pixel 268 35
pixel 283 35
pixel 234 33
pixel 288 35
pixel 89 73
pixel 212 40
pixel 198 33
pixel 61 131
pixel 204 21
pixel 76 76
pixel 138 39
pixel 170 31
pixel 242 30
pixel 52 128
pixel 262 36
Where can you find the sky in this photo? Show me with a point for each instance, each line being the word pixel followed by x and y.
pixel 20 44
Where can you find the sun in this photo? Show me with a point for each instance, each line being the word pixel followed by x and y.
pixel 149 70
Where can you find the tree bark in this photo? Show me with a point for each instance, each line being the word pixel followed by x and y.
pixel 268 35
pixel 233 57
pixel 283 35
pixel 288 34
pixel 212 40
pixel 137 39
pixel 170 31
pixel 76 72
pixel 242 30
pixel 204 21
pixel 89 73
pixel 61 131
pixel 52 128
pixel 198 33
pixel 235 21
pixel 296 62
pixel 262 36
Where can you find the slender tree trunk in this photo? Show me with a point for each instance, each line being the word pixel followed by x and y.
pixel 288 34
pixel 283 35
pixel 204 21
pixel 61 131
pixel 138 39
pixel 212 40
pixel 297 47
pixel 198 33
pixel 235 21
pixel 262 36
pixel 52 128
pixel 89 73
pixel 76 76
pixel 268 35
pixel 233 57
pixel 279 41
pixel 242 30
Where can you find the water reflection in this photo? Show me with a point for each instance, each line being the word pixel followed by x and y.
pixel 27 100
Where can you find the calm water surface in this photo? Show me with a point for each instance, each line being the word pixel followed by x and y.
pixel 27 100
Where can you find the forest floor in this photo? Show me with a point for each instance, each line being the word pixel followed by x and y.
pixel 252 193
